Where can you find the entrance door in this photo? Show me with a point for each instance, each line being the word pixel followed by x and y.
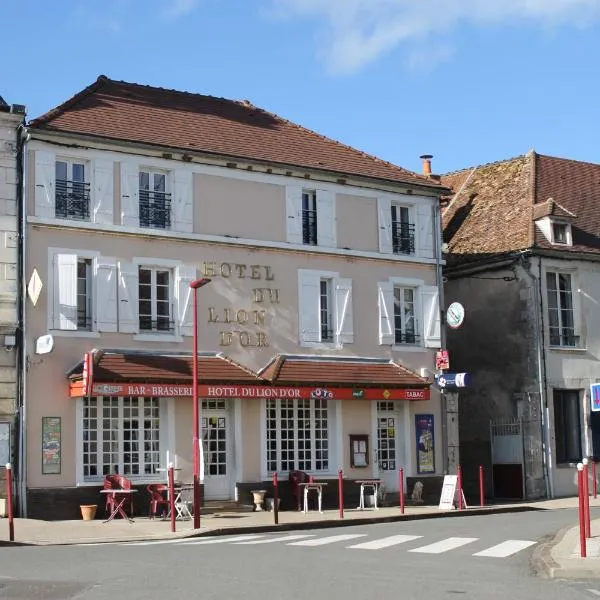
pixel 389 452
pixel 216 450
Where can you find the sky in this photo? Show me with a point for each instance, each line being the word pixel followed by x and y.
pixel 468 81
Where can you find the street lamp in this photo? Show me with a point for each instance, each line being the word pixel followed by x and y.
pixel 196 285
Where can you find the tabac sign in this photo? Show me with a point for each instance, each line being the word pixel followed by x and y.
pixel 250 391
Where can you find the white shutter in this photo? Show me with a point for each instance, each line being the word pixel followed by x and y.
pixel 384 212
pixel 105 286
pixel 309 287
pixel 326 225
pixel 45 183
pixel 65 291
pixel 182 205
pixel 425 239
pixel 130 185
pixel 343 311
pixel 128 298
pixel 103 196
pixel 431 316
pixel 293 205
pixel 185 302
pixel 386 312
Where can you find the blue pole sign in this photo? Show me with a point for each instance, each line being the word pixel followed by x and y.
pixel 595 395
pixel 450 381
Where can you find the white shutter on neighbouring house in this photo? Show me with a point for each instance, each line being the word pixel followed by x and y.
pixel 386 312
pixel 326 223
pixel 293 214
pixel 65 291
pixel 309 323
pixel 185 302
pixel 128 305
pixel 182 203
pixel 105 286
pixel 103 197
pixel 343 311
pixel 384 213
pixel 431 316
pixel 45 184
pixel 425 233
pixel 130 185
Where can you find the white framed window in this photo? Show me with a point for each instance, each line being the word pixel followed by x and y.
pixel 72 192
pixel 84 294
pixel 561 310
pixel 121 435
pixel 561 233
pixel 409 313
pixel 297 435
pixel 403 229
pixel 325 314
pixel 155 299
pixel 155 200
pixel 310 217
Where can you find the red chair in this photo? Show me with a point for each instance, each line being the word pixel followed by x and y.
pixel 157 498
pixel 296 477
pixel 117 482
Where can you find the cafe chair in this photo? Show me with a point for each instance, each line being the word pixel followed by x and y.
pixel 296 477
pixel 158 499
pixel 117 482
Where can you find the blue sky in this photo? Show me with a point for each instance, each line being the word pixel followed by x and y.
pixel 469 81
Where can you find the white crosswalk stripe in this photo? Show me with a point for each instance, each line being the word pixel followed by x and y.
pixel 386 542
pixel 328 540
pixel 284 538
pixel 450 543
pixel 220 540
pixel 507 548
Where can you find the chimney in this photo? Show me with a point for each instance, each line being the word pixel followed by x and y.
pixel 426 158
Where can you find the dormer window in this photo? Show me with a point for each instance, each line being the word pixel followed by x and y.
pixel 560 233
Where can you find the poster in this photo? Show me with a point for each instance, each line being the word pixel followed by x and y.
pixel 51 443
pixel 425 444
pixel 4 444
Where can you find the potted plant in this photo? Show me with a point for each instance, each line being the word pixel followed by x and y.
pixel 88 511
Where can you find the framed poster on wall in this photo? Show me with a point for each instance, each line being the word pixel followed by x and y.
pixel 51 445
pixel 425 444
pixel 359 450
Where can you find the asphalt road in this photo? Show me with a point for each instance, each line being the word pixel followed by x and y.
pixel 470 558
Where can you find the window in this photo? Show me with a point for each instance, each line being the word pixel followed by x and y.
pixel 155 202
pixel 325 315
pixel 309 218
pixel 405 324
pixel 561 315
pixel 403 231
pixel 297 435
pixel 72 197
pixel 567 427
pixel 559 233
pixel 121 435
pixel 84 294
pixel 155 313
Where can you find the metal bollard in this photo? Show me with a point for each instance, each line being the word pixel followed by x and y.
pixel 586 498
pixel 341 492
pixel 595 484
pixel 401 488
pixel 9 502
pixel 481 487
pixel 459 487
pixel 171 485
pixel 582 540
pixel 275 499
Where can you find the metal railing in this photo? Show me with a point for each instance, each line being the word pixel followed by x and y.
pixel 406 337
pixel 155 209
pixel 403 238
pixel 72 200
pixel 160 325
pixel 309 227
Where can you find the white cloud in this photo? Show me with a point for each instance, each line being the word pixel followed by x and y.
pixel 357 32
pixel 180 8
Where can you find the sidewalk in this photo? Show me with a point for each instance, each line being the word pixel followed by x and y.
pixel 36 532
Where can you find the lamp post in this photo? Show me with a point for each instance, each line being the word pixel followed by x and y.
pixel 196 285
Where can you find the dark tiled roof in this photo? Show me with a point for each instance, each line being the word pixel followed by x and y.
pixel 148 367
pixel 551 208
pixel 334 371
pixel 195 123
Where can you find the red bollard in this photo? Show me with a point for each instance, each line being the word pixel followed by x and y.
pixel 595 484
pixel 481 489
pixel 171 485
pixel 586 498
pixel 582 541
pixel 401 488
pixel 459 487
pixel 275 499
pixel 341 492
pixel 9 502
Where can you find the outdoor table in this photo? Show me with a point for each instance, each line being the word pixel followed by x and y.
pixel 181 506
pixel 119 497
pixel 368 483
pixel 313 485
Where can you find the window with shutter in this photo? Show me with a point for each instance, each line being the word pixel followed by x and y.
pixel 155 200
pixel 72 197
pixel 155 300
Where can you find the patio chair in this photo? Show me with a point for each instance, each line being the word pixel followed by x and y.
pixel 157 499
pixel 117 482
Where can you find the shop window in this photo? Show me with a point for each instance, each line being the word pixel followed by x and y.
pixel 121 435
pixel 567 426
pixel 297 435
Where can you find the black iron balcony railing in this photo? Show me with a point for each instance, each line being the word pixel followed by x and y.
pixel 309 227
pixel 84 321
pixel 155 209
pixel 403 238
pixel 160 325
pixel 406 337
pixel 72 200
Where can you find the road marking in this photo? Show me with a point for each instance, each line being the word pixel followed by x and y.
pixel 283 538
pixel 595 592
pixel 328 540
pixel 386 542
pixel 148 543
pixel 448 544
pixel 505 549
pixel 222 540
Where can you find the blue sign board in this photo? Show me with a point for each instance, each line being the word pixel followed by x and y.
pixel 454 380
pixel 595 395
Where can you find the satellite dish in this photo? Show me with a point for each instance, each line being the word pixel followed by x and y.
pixel 44 344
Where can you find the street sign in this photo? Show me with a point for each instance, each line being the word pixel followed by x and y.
pixel 455 315
pixel 453 380
pixel 595 396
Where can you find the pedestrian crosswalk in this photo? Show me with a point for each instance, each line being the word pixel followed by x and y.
pixel 418 544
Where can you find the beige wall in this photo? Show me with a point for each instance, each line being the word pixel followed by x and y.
pixel 357 223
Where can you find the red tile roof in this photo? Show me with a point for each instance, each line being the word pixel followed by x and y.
pixel 131 112
pixel 336 371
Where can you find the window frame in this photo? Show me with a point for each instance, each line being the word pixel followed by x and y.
pixel 411 226
pixel 89 291
pixel 576 316
pixel 167 199
pixel 568 239
pixel 575 428
pixel 416 307
pixel 154 270
pixel 310 236
pixel 69 184
pixel 329 310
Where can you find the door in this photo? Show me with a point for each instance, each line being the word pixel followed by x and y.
pixel 389 452
pixel 216 450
